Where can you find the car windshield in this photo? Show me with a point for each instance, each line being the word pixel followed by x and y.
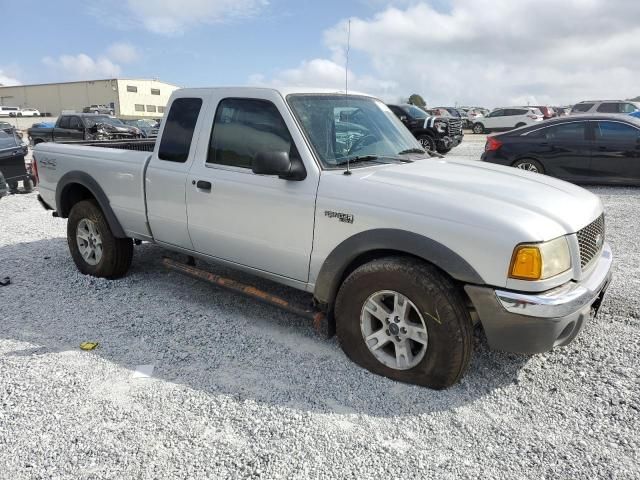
pixel 342 128
pixel 415 112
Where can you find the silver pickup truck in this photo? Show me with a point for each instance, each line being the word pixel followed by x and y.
pixel 329 193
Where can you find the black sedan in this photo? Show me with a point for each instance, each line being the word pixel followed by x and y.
pixel 589 149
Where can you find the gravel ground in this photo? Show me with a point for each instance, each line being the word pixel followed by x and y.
pixel 241 390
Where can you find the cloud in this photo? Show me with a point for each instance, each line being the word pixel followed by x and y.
pixel 325 73
pixel 172 18
pixel 82 66
pixel 7 78
pixel 501 52
pixel 122 52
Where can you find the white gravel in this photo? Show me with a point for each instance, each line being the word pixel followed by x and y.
pixel 240 390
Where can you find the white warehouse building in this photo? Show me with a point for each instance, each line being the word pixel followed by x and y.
pixel 128 97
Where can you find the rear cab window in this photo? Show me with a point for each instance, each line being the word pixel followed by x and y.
pixel 180 125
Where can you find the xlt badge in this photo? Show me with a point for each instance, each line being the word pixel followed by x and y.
pixel 343 217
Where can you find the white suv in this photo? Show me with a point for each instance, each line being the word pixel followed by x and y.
pixel 507 119
pixel 606 106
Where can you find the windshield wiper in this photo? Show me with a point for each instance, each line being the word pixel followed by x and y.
pixel 361 158
pixel 411 150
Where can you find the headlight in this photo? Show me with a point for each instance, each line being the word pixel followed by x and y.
pixel 540 260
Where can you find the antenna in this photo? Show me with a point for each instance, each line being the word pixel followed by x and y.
pixel 346 82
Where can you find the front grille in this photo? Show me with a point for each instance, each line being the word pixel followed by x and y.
pixel 591 241
pixel 455 127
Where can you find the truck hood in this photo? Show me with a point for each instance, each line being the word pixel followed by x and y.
pixel 489 189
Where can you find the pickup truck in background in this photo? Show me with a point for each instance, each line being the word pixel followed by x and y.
pixel 83 126
pixel 330 193
pixel 434 132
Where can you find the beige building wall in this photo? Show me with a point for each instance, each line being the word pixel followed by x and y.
pixel 56 97
pixel 148 100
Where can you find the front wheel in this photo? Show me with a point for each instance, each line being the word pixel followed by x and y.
pixel 93 246
pixel 403 319
pixel 27 184
pixel 529 165
pixel 427 142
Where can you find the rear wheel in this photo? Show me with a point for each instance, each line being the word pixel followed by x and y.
pixel 403 319
pixel 529 165
pixel 93 247
pixel 427 142
pixel 478 128
pixel 27 184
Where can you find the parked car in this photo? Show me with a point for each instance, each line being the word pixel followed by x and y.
pixel 83 126
pixel 11 129
pixel 402 251
pixel 434 132
pixel 606 106
pixel 106 109
pixel 473 115
pixel 12 164
pixel 8 111
pixel 4 188
pixel 547 112
pixel 29 112
pixel 562 111
pixel 593 149
pixel 502 119
pixel 147 127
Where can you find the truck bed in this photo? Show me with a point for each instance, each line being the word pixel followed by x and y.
pixel 117 166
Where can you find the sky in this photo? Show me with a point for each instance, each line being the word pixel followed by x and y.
pixel 452 52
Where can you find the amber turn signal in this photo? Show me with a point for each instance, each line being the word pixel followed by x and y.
pixel 526 263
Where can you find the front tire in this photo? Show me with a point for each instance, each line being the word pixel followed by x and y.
pixel 427 142
pixel 401 318
pixel 27 184
pixel 93 247
pixel 478 128
pixel 529 164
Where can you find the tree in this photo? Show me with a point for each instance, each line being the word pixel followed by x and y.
pixel 417 100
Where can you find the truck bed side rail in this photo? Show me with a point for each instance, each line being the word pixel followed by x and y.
pixel 140 145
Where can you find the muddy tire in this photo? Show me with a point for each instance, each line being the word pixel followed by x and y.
pixel 93 246
pixel 413 317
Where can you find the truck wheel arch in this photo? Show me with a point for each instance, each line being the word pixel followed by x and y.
pixel 372 244
pixel 75 186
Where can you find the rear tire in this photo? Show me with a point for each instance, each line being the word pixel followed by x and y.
pixel 93 247
pixel 27 184
pixel 529 164
pixel 478 128
pixel 437 317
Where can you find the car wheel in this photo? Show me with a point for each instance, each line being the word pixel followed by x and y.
pixel 478 128
pixel 529 165
pixel 94 249
pixel 520 125
pixel 19 114
pixel 427 142
pixel 401 318
pixel 27 184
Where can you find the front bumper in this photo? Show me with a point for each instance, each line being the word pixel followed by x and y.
pixel 537 322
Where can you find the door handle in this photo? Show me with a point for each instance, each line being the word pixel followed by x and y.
pixel 203 185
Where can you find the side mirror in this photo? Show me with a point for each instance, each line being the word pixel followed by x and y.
pixel 278 163
pixel 403 118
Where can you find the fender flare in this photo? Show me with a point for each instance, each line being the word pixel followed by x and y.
pixel 336 264
pixel 87 181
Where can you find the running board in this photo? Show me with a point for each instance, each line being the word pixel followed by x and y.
pixel 318 318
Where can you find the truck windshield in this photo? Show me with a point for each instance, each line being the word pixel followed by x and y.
pixel 342 128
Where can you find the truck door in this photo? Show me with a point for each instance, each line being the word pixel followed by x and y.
pixel 258 221
pixel 76 128
pixel 167 172
pixel 61 130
